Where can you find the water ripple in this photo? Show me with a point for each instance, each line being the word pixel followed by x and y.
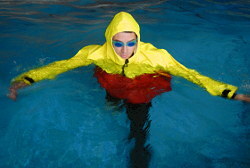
pixel 69 12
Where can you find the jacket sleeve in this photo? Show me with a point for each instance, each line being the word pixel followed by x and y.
pixel 214 87
pixel 50 71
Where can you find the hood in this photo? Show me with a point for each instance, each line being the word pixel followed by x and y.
pixel 121 22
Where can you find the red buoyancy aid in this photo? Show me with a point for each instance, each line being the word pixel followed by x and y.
pixel 141 89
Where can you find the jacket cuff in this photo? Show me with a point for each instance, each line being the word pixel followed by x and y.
pixel 28 80
pixel 228 94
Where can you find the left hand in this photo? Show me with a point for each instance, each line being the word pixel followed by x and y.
pixel 242 97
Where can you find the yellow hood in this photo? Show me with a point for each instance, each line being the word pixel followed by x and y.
pixel 121 22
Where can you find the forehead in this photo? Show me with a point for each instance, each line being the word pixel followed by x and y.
pixel 124 36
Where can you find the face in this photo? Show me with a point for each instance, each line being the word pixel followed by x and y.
pixel 128 50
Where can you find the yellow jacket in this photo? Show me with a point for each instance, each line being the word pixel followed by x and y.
pixel 147 59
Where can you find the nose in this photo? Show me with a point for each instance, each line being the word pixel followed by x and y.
pixel 124 49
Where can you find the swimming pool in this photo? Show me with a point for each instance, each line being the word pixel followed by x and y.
pixel 66 122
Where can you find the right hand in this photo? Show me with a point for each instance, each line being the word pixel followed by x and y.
pixel 13 89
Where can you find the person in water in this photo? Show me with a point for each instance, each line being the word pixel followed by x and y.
pixel 124 55
pixel 131 71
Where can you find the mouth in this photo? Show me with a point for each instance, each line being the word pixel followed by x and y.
pixel 124 56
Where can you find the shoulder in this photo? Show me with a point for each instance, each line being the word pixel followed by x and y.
pixel 90 48
pixel 152 52
pixel 147 46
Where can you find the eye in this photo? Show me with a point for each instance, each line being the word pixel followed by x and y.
pixel 118 44
pixel 131 44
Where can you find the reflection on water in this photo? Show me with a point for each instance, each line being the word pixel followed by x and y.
pixel 80 12
pixel 67 12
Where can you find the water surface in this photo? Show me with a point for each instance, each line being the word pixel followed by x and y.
pixel 66 122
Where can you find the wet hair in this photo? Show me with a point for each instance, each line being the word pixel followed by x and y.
pixel 128 32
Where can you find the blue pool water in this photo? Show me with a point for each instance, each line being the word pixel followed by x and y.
pixel 66 122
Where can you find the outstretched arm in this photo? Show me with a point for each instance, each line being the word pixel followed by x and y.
pixel 215 88
pixel 50 71
pixel 46 72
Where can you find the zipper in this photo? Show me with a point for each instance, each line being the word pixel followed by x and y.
pixel 124 66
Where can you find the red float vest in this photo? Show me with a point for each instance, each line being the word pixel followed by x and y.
pixel 141 89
